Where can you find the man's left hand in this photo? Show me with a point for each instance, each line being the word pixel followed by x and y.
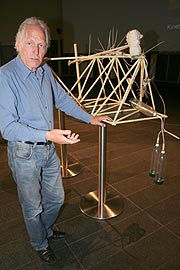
pixel 97 120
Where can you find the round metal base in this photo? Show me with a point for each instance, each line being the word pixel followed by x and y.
pixel 71 170
pixel 113 206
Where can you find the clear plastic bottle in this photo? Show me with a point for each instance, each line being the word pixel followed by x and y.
pixel 159 178
pixel 143 107
pixel 154 161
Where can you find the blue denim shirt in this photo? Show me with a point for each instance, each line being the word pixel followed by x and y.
pixel 27 99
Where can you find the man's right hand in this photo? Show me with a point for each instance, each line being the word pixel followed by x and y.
pixel 62 136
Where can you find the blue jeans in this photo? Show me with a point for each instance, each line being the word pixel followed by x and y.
pixel 37 173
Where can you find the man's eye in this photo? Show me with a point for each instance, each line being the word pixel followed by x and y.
pixel 41 45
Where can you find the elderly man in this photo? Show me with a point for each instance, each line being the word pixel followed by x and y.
pixel 28 93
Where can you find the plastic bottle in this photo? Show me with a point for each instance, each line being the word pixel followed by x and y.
pixel 143 107
pixel 154 161
pixel 159 178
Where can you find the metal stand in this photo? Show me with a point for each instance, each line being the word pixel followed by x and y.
pixel 101 204
pixel 68 168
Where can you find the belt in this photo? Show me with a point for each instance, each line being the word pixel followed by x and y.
pixel 37 143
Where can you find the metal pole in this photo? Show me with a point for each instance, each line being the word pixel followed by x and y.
pixel 101 204
pixel 63 148
pixel 102 171
pixel 71 168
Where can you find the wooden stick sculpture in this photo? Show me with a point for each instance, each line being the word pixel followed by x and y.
pixel 121 76
pixel 121 88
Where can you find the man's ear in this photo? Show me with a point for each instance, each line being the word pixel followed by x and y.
pixel 17 45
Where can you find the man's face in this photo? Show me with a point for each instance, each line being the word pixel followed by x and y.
pixel 32 47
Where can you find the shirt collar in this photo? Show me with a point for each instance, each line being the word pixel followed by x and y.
pixel 25 70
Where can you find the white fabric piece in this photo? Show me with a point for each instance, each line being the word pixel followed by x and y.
pixel 133 39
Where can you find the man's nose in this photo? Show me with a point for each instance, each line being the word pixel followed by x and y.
pixel 36 49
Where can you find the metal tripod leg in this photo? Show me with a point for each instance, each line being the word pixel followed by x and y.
pixel 68 168
pixel 101 204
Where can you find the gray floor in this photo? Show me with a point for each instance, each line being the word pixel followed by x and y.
pixel 146 235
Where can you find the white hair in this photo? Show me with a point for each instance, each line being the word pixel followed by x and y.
pixel 32 21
